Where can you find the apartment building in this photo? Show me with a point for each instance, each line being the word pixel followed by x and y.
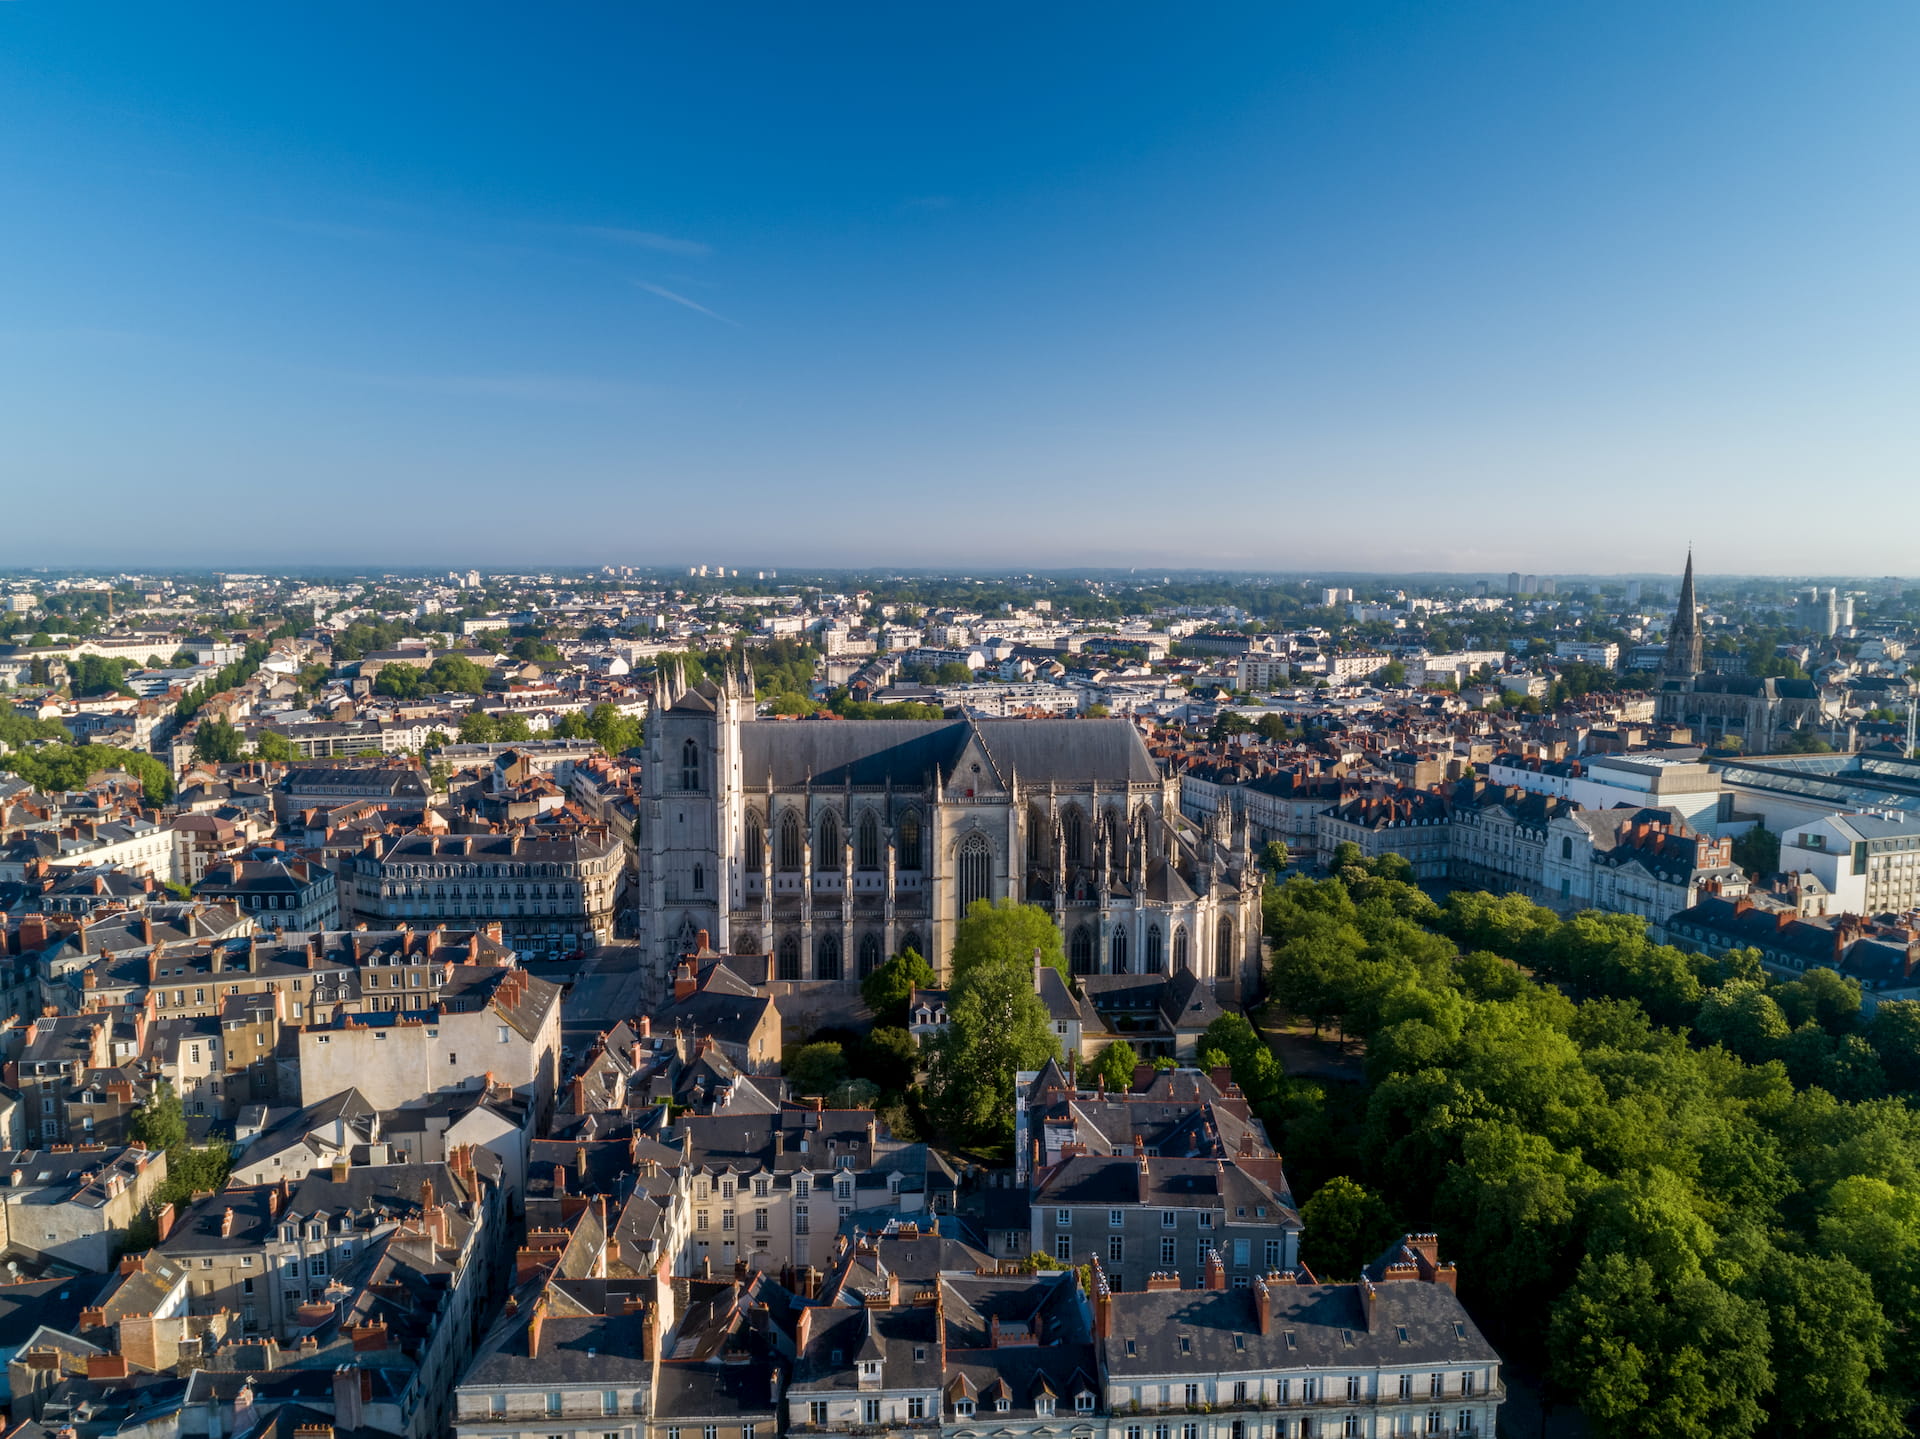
pixel 1869 862
pixel 1142 1216
pixel 1394 1354
pixel 552 891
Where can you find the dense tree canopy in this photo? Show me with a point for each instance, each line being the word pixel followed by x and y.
pixel 1007 932
pixel 889 989
pixel 67 766
pixel 604 725
pixel 1688 1187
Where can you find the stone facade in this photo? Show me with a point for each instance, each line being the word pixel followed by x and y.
pixel 832 845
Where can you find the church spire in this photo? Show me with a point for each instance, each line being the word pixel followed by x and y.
pixel 1684 647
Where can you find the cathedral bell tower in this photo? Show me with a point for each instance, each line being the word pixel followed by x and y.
pixel 1684 655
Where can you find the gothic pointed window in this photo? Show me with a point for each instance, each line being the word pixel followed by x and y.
pixel 1074 831
pixel 690 766
pixel 1118 947
pixel 1180 961
pixel 790 843
pixel 1081 950
pixel 976 871
pixel 910 941
pixel 1223 950
pixel 910 841
pixel 746 941
pixel 826 955
pixel 790 957
pixel 1154 960
pixel 754 851
pixel 828 855
pixel 699 879
pixel 869 954
pixel 1037 828
pixel 869 855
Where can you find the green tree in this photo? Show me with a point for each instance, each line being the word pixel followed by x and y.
pixel 160 1122
pixel 997 1026
pixel 1344 1226
pixel 1829 1349
pixel 890 1056
pixel 454 674
pixel 1895 1035
pixel 1745 1018
pixel 614 732
pixel 815 1068
pixel 271 745
pixel 890 987
pixel 399 681
pixel 535 651
pixel 1007 932
pixel 479 727
pixel 953 672
pixel 1276 856
pixel 1113 1067
pixel 1805 741
pixel 1757 851
pixel 219 741
pixel 853 1094
pixel 514 727
pixel 1647 1361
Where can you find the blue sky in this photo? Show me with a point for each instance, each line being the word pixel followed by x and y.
pixel 1435 286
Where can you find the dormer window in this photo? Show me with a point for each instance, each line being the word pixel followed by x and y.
pixel 870 1370
pixel 963 1408
pixel 1042 1407
pixel 1083 1402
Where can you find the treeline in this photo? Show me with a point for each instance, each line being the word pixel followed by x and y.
pixel 53 767
pixel 1693 1193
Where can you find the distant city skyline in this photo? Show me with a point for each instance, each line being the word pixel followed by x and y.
pixel 1311 287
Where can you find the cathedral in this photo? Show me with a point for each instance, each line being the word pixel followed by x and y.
pixel 1760 713
pixel 829 845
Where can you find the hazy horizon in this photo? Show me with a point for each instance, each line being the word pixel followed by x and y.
pixel 1323 288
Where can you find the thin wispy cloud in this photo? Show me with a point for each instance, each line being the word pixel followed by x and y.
pixel 644 239
pixel 695 305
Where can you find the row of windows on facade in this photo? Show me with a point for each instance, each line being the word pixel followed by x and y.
pixel 404 890
pixel 802 1185
pixel 1084 942
pixel 790 851
pixel 280 901
pixel 1081 947
pixel 1313 1389
pixel 1348 1426
pixel 1063 1249
pixel 496 871
pixel 827 956
pixel 820 1412
pixel 609 1404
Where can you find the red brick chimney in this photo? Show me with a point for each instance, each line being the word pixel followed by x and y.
pixel 1216 1270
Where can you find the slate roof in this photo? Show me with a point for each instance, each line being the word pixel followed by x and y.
pixel 909 753
pixel 1165 1183
pixel 1328 1325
